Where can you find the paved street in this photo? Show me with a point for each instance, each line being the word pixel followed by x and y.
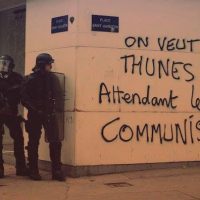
pixel 169 184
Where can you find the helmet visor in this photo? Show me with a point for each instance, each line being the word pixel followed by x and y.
pixel 4 65
pixel 51 61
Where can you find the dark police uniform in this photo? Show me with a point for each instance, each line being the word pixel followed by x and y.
pixel 10 98
pixel 35 96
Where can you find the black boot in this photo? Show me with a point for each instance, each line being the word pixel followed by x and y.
pixel 58 175
pixel 22 170
pixel 33 161
pixel 35 175
pixel 55 155
pixel 1 171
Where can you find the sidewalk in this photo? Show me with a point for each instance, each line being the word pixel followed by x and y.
pixel 169 184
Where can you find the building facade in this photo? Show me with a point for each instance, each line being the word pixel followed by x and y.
pixel 132 73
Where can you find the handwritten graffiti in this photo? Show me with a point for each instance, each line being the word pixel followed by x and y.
pixel 186 132
pixel 195 101
pixel 176 44
pixel 164 44
pixel 139 41
pixel 160 68
pixel 117 96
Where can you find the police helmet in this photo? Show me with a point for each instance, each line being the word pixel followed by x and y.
pixel 6 60
pixel 44 59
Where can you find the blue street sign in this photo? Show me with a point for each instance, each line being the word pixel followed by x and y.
pixel 105 23
pixel 59 24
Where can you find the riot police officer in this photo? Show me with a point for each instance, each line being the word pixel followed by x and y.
pixel 10 84
pixel 34 97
